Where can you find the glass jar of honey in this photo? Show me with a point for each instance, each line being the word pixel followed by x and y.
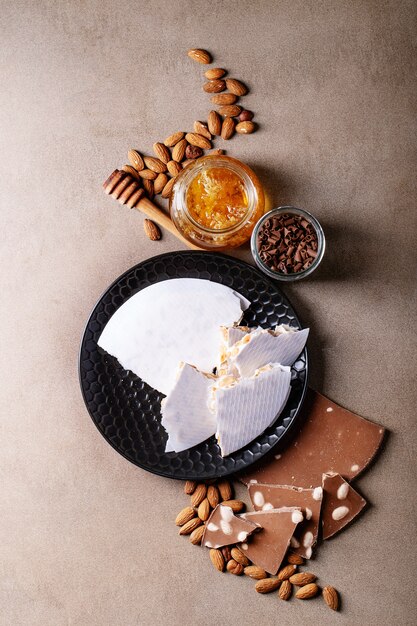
pixel 216 202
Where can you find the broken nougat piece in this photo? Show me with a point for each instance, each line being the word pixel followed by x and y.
pixel 267 497
pixel 268 549
pixel 224 528
pixel 341 504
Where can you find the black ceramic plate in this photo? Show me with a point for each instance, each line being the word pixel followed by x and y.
pixel 127 411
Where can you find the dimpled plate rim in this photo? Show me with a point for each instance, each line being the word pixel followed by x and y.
pixel 126 410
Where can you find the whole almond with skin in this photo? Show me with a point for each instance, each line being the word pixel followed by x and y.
pixel 203 511
pixel 148 174
pixel 237 506
pixel 174 168
pixel 285 590
pixel 331 597
pixel 228 128
pixel 188 527
pixel 225 490
pixel 253 571
pixel 214 86
pixel 129 169
pixel 302 578
pixel 234 568
pixel 199 494
pixel 214 123
pixel 197 535
pixel 161 152
pixel 266 585
pixel 213 496
pixel 236 86
pixel 224 98
pixel 198 140
pixel 245 116
pixel 239 557
pixel 202 129
pixel 160 182
pixel 216 557
pixel 187 162
pixel 166 192
pixel 214 73
pixel 227 553
pixel 186 514
pixel 193 152
pixel 156 165
pixel 230 110
pixel 178 151
pixel 286 572
pixel 295 559
pixel 189 487
pixel 307 592
pixel 148 187
pixel 199 55
pixel 245 128
pixel 136 160
pixel 173 139
pixel 217 151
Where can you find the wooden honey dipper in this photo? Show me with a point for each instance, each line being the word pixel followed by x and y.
pixel 123 187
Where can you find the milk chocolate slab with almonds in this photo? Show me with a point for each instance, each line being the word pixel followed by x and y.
pixel 267 497
pixel 330 439
pixel 224 528
pixel 268 549
pixel 341 504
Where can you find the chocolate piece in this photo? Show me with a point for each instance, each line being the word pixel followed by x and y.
pixel 269 548
pixel 341 504
pixel 331 439
pixel 223 528
pixel 266 497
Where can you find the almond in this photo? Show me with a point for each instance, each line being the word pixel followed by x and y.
pixel 199 55
pixel 228 128
pixel 199 494
pixel 239 557
pixel 197 535
pixel 198 140
pixel 227 553
pixel 216 557
pixel 189 487
pixel 166 192
pixel 173 139
pixel 331 597
pixel 213 496
pixel 178 152
pixel 234 568
pixel 266 585
pixel 237 506
pixel 185 515
pixel 224 98
pixel 174 168
pixel 245 128
pixel 286 572
pixel 285 590
pixel 160 182
pixel 148 187
pixel 214 123
pixel 148 174
pixel 202 129
pixel 214 73
pixel 136 160
pixel 214 86
pixel 129 169
pixel 154 164
pixel 187 162
pixel 217 151
pixel 133 200
pixel 230 110
pixel 236 86
pixel 253 571
pixel 153 231
pixel 188 527
pixel 307 592
pixel 204 510
pixel 295 559
pixel 161 152
pixel 225 490
pixel 302 578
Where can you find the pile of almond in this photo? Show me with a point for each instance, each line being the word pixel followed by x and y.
pixel 192 519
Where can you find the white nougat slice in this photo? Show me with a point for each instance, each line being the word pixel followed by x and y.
pixel 185 412
pixel 262 346
pixel 245 407
pixel 169 322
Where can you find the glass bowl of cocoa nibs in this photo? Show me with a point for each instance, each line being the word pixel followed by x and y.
pixel 288 243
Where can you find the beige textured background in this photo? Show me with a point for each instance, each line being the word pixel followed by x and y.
pixel 87 538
